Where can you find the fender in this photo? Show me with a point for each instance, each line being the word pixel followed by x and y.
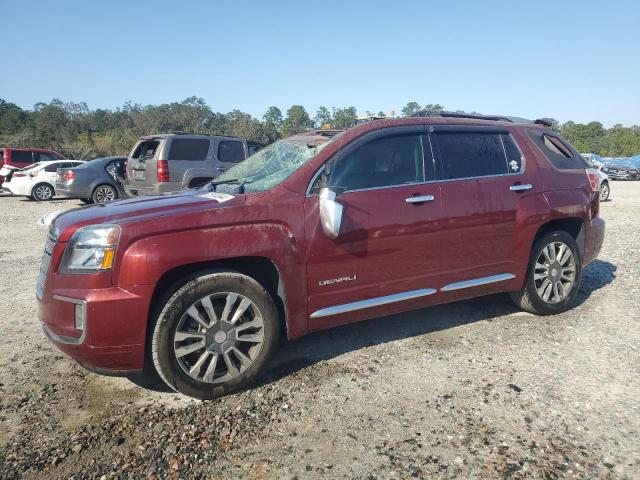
pixel 144 261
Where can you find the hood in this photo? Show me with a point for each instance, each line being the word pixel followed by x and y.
pixel 142 208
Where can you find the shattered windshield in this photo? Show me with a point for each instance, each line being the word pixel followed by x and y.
pixel 270 166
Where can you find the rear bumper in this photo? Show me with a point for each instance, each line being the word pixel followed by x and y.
pixel 115 321
pixel 71 191
pixel 593 240
pixel 157 189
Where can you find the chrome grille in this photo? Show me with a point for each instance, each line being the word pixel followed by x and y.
pixel 44 264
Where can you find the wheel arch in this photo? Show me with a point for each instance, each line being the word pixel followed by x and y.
pixel 574 226
pixel 261 269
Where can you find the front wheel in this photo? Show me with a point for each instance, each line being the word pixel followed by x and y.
pixel 553 276
pixel 214 334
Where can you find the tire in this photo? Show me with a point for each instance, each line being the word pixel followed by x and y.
pixel 42 192
pixel 604 191
pixel 87 201
pixel 184 361
pixel 535 296
pixel 104 193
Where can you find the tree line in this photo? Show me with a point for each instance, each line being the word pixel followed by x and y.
pixel 78 132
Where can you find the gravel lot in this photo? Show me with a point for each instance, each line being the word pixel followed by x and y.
pixel 472 389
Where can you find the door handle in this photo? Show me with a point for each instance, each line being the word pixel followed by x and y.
pixel 521 188
pixel 420 199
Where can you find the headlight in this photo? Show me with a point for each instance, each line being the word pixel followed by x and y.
pixel 91 249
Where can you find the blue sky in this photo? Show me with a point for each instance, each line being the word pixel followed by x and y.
pixel 572 60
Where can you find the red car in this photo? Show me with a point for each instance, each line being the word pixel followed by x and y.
pixel 17 158
pixel 320 229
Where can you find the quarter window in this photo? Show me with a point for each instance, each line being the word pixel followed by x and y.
pixel 559 153
pixel 387 161
pixel 230 151
pixel 470 154
pixel 189 149
pixel 146 149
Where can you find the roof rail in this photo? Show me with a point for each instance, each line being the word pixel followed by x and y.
pixel 545 122
pixel 475 116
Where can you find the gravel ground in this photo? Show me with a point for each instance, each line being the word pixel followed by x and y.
pixel 471 389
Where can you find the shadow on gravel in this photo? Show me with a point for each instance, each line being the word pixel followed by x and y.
pixel 328 344
pixel 319 346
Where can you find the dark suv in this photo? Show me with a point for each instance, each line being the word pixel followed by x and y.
pixel 161 164
pixel 317 230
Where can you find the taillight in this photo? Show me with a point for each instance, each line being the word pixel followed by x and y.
pixel 18 174
pixel 594 181
pixel 68 175
pixel 163 171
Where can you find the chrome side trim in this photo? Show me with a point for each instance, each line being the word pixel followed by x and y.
pixel 64 339
pixel 476 282
pixel 373 302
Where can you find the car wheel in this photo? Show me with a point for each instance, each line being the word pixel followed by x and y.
pixel 104 194
pixel 214 334
pixel 553 276
pixel 604 191
pixel 42 191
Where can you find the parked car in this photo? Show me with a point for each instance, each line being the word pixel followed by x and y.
pixel 97 181
pixel 12 159
pixel 160 164
pixel 38 181
pixel 317 230
pixel 621 172
pixel 598 165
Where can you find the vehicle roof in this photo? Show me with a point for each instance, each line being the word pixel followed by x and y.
pixel 27 149
pixel 62 160
pixel 161 136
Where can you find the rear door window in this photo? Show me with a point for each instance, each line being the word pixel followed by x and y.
pixel 230 151
pixel 559 153
pixel 146 149
pixel 471 154
pixel 53 167
pixel 192 149
pixel 20 156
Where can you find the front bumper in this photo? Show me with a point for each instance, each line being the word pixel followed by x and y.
pixel 114 333
pixel 593 240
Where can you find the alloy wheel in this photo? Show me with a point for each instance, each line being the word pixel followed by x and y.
pixel 604 192
pixel 218 337
pixel 43 192
pixel 554 272
pixel 105 194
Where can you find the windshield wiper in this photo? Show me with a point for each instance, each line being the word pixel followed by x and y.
pixel 230 181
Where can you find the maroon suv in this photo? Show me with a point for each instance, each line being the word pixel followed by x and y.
pixel 317 230
pixel 16 158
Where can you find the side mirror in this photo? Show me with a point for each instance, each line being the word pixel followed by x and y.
pixel 330 213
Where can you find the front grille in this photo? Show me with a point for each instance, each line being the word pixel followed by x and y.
pixel 44 265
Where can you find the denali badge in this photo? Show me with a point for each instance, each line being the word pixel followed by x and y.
pixel 331 281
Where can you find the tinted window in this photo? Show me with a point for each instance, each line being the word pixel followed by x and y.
pixel 19 156
pixel 514 157
pixel 146 149
pixel 468 154
pixel 53 167
pixel 230 151
pixel 189 149
pixel 559 153
pixel 386 161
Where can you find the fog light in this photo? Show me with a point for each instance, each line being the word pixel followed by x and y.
pixel 79 316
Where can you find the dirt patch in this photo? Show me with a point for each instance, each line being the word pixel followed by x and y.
pixel 471 389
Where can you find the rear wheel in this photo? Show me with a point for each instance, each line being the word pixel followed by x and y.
pixel 214 334
pixel 42 191
pixel 104 194
pixel 604 191
pixel 553 277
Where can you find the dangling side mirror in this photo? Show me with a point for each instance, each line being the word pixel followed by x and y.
pixel 330 213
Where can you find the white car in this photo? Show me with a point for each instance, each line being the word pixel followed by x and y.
pixel 38 180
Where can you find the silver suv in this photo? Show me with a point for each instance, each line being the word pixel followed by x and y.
pixel 161 164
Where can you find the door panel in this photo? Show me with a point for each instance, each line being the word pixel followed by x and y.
pixel 386 246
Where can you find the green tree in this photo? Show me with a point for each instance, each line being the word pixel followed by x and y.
pixel 410 108
pixel 272 123
pixel 323 117
pixel 296 121
pixel 344 117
